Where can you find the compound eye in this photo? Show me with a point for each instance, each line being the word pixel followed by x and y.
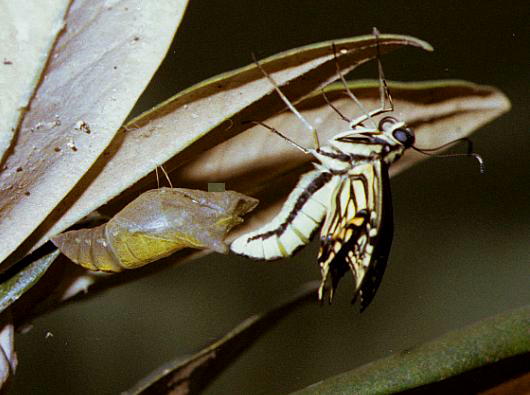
pixel 386 123
pixel 404 136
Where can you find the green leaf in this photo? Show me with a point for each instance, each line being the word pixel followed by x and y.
pixel 191 375
pixel 13 286
pixel 486 342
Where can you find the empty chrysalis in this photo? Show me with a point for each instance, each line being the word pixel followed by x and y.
pixel 156 224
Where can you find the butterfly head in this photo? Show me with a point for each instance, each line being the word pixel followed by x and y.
pixel 398 138
pixel 398 131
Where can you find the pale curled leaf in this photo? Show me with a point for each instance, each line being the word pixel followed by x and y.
pixel 483 343
pixel 263 165
pixel 97 69
pixel 28 30
pixel 156 224
pixel 14 286
pixel 8 356
pixel 191 375
pixel 176 129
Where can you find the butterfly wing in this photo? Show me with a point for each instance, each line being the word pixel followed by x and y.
pixel 296 222
pixel 357 231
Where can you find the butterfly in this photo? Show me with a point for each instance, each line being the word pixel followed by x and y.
pixel 347 196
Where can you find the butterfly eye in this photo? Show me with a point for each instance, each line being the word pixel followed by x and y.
pixel 386 123
pixel 404 136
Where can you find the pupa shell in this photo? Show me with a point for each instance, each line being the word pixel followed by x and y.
pixel 155 225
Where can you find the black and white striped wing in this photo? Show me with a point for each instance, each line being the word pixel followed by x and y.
pixel 296 222
pixel 357 232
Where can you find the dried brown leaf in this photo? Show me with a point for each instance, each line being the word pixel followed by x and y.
pixel 98 68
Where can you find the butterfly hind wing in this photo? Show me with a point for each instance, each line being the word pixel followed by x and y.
pixel 357 231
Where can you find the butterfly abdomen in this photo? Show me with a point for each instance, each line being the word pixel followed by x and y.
pixel 295 224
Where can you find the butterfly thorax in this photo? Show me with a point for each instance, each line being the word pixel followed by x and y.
pixel 361 145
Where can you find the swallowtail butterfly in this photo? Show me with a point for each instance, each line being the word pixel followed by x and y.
pixel 347 195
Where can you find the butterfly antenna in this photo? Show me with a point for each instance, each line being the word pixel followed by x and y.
pixel 347 88
pixel 334 108
pixel 384 91
pixel 288 103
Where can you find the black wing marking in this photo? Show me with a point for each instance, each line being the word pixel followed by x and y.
pixel 383 242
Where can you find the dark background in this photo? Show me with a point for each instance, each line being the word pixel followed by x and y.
pixel 461 245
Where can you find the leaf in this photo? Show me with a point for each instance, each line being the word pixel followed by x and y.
pixel 486 342
pixel 98 68
pixel 176 129
pixel 518 385
pixel 193 374
pixel 156 224
pixel 13 286
pixel 28 32
pixel 268 167
pixel 8 356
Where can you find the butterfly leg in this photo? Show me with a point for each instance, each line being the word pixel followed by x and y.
pixel 290 105
pixel 346 88
pixel 275 131
pixel 384 92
